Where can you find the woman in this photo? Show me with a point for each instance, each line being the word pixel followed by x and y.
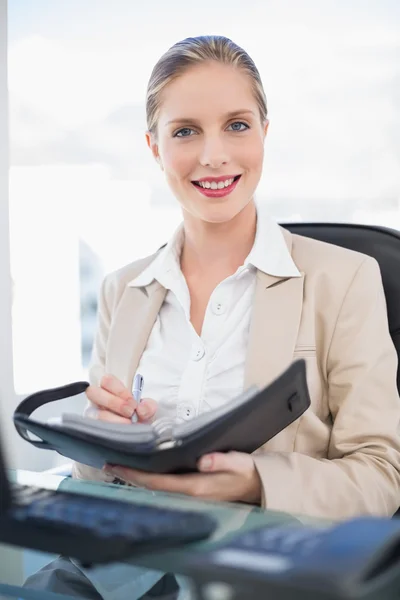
pixel 233 299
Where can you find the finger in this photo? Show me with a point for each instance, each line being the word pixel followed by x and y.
pixel 230 462
pixel 146 410
pixel 113 385
pixel 106 415
pixel 103 399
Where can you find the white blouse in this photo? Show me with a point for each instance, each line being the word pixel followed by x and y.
pixel 188 374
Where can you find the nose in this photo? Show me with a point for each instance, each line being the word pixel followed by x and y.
pixel 213 153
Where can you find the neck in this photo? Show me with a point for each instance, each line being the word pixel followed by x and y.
pixel 218 246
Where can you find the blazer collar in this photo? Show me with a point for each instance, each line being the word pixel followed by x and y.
pixel 133 321
pixel 275 322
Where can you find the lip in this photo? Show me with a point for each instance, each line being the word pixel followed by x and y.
pixel 219 193
pixel 220 178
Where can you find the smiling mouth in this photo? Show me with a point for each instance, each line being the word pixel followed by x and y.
pixel 216 185
pixel 217 189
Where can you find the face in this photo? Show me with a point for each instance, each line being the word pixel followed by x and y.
pixel 210 141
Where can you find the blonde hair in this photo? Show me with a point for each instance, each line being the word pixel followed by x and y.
pixel 192 51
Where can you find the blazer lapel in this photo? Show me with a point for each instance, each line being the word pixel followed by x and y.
pixel 277 308
pixel 133 322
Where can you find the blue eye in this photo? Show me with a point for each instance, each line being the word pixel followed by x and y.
pixel 238 126
pixel 184 132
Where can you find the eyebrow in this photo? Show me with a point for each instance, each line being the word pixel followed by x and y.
pixel 228 116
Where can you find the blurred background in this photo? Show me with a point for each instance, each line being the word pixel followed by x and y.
pixel 85 196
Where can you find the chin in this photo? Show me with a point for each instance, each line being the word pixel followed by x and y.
pixel 219 214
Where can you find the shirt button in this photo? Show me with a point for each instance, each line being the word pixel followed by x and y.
pixel 185 411
pixel 198 353
pixel 218 307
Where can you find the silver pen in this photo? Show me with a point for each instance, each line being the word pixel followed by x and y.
pixel 137 389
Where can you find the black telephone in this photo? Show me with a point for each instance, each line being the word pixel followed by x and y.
pixel 359 558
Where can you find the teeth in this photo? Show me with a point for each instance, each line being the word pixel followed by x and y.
pixel 214 185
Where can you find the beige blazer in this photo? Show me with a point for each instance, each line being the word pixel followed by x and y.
pixel 342 457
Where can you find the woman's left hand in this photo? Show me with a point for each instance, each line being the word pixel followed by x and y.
pixel 230 476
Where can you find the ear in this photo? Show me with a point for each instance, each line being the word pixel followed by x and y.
pixel 152 144
pixel 266 124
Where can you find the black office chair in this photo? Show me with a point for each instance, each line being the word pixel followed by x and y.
pixel 383 244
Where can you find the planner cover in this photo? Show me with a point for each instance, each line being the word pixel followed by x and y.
pixel 166 446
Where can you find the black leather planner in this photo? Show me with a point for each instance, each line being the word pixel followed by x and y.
pixel 165 446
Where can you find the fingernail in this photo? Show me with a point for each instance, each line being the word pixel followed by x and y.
pixel 127 410
pixel 143 411
pixel 206 463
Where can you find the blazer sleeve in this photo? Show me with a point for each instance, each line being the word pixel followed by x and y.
pixel 362 472
pixel 96 371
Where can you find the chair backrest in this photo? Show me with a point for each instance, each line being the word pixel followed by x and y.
pixel 381 243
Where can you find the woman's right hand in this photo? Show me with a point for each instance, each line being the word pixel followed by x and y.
pixel 115 403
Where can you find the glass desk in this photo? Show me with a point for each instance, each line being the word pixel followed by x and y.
pixel 66 579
